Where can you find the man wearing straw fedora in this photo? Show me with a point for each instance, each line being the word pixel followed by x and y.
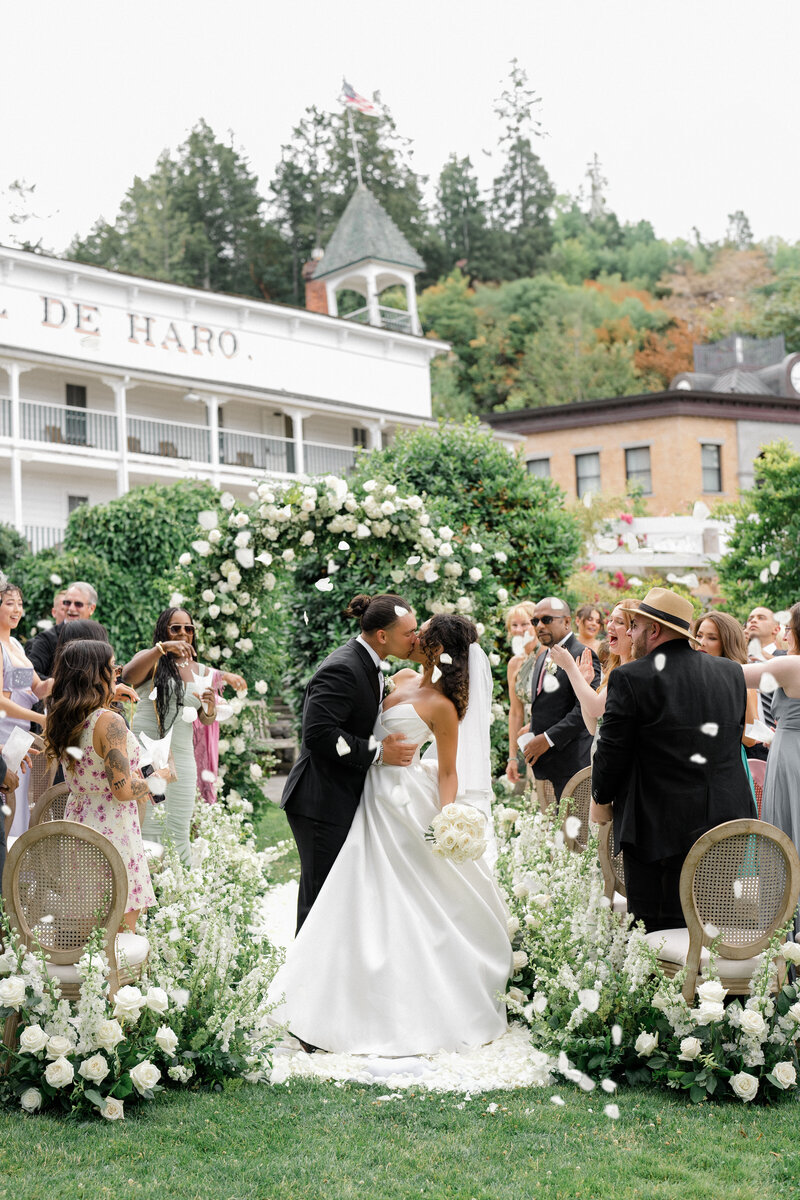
pixel 668 765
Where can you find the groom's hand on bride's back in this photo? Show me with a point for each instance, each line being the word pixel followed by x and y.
pixel 398 751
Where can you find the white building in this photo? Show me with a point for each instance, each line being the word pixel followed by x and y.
pixel 111 381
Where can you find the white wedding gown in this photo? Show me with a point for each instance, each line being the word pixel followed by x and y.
pixel 403 953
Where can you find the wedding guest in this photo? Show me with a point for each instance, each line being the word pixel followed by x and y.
pixel 20 688
pixel 781 801
pixel 668 766
pixel 107 792
pixel 525 645
pixel 581 671
pixel 763 631
pixel 206 737
pixel 561 744
pixel 40 649
pixel 93 631
pixel 78 603
pixel 166 669
pixel 721 636
pixel 589 625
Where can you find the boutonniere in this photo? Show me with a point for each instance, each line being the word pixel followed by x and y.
pixel 388 686
pixel 550 667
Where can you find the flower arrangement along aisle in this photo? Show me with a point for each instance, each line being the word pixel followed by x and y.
pixel 590 989
pixel 198 1016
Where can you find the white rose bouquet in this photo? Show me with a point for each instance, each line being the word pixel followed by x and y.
pixel 458 832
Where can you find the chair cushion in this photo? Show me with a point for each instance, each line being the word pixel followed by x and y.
pixel 153 849
pixel 131 949
pixel 619 904
pixel 672 946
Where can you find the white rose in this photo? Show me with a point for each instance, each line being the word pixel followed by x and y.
pixel 745 1086
pixel 520 960
pixel 791 953
pixel 539 1003
pixel 713 991
pixel 589 999
pixel 145 1076
pixel 114 1109
pixel 157 1000
pixel 180 998
pixel 215 537
pixel 475 573
pixel 109 1034
pixel 752 1023
pixel 184 560
pixel 95 1068
pixel 59 1073
pixel 57 1047
pixel 213 611
pixel 255 771
pixel 31 1100
pixel 512 924
pixel 227 500
pixel 208 596
pixel 8 961
pixel 785 1074
pixel 690 1048
pixel 516 996
pixel 706 1013
pixel 128 1003
pixel 12 992
pixel 261 687
pixel 202 547
pixel 167 1039
pixel 794 1011
pixel 645 1044
pixel 32 1040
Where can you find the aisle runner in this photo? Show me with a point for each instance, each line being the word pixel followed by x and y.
pixel 509 1062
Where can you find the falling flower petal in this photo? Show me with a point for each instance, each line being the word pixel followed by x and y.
pixel 75 752
pixel 774 567
pixel 372 744
pixel 608 1085
pixel 400 612
pixel 764 575
pixel 767 683
pixel 559 1103
pixel 208 776
pixel 188 714
pixel 572 827
pixel 305 617
pixel 616 1035
pixel 207 519
pixel 436 675
pixel 660 661
pixel 711 930
pixel 5 810
pixel 56 579
pixel 550 684
pixel 738 888
pixel 48 920
pixel 445 658
pixel 586 1083
pixel 588 998
pixel 157 785
pixel 324 585
pixel 555 603
pixel 412 562
pixel 698 758
pixel 612 1111
pixel 710 729
pixel 344 545
pixel 342 747
pixel 492 1108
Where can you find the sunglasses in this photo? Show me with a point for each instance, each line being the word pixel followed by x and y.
pixel 74 604
pixel 545 620
pixel 180 628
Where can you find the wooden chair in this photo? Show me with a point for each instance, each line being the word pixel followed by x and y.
pixel 42 773
pixel 53 433
pixel 167 450
pixel 74 875
pixel 742 879
pixel 51 805
pixel 544 792
pixel 611 866
pixel 134 444
pixel 578 790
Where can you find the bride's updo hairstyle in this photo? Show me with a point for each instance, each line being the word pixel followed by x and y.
pixel 376 612
pixel 455 635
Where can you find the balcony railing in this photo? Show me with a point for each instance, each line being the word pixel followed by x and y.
pixel 43 537
pixel 321 458
pixel 255 450
pixel 66 426
pixel 169 439
pixel 5 416
pixel 391 318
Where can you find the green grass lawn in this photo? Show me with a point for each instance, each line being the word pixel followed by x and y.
pixel 332 1143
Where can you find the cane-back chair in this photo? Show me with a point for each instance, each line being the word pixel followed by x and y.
pixel 612 868
pixel 739 884
pixel 51 805
pixel 578 790
pixel 42 773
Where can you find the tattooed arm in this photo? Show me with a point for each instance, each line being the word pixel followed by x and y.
pixel 110 741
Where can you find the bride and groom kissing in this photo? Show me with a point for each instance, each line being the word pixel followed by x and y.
pixel 398 952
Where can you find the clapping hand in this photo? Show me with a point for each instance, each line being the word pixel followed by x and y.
pixel 586 666
pixel 561 657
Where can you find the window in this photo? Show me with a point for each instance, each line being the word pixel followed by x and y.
pixel 76 421
pixel 587 473
pixel 360 438
pixel 637 468
pixel 712 468
pixel 539 467
pixel 74 502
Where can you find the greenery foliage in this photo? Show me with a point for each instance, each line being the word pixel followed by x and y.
pixel 12 547
pixel 762 563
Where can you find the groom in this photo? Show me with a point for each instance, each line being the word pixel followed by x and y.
pixel 340 707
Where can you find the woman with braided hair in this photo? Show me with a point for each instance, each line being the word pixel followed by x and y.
pixel 404 952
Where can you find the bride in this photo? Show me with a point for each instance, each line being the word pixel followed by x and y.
pixel 405 953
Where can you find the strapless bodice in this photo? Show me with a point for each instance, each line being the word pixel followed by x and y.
pixel 403 718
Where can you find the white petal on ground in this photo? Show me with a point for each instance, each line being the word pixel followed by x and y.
pixel 342 747
pixel 559 1103
pixel 612 1111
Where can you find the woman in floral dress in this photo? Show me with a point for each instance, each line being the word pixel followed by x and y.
pixel 106 789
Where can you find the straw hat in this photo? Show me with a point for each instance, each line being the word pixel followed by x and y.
pixel 669 609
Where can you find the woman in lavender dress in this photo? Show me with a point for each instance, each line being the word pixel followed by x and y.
pixel 20 688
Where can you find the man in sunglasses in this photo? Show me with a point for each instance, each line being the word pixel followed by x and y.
pixel 561 744
pixel 78 604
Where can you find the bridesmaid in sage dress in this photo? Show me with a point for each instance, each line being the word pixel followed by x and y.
pixel 161 674
pixel 781 802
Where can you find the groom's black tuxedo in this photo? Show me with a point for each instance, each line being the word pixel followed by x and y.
pixel 324 786
pixel 558 714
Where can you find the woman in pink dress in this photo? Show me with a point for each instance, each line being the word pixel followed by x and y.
pixel 206 738
pixel 106 788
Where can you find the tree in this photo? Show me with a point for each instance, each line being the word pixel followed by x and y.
pixel 301 191
pixel 739 233
pixel 12 547
pixel 762 562
pixel 461 217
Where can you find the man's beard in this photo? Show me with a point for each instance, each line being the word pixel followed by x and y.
pixel 638 649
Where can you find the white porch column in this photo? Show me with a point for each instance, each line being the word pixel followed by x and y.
pixel 375 434
pixel 372 297
pixel 297 439
pixel 120 388
pixel 411 305
pixel 213 405
pixel 14 370
pixel 333 304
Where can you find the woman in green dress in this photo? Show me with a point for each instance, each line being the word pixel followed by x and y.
pixel 168 667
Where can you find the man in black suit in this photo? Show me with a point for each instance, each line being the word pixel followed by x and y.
pixel 668 765
pixel 561 744
pixel 340 707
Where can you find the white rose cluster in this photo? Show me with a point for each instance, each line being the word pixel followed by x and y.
pixel 458 832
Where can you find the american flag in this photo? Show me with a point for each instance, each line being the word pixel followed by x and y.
pixel 351 97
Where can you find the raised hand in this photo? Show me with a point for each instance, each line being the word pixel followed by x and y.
pixel 586 666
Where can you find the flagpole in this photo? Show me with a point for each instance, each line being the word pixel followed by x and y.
pixel 354 139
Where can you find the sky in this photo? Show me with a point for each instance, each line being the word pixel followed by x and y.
pixel 690 105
